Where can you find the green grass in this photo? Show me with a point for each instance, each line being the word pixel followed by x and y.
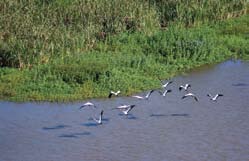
pixel 66 50
pixel 234 34
pixel 132 62
pixel 35 31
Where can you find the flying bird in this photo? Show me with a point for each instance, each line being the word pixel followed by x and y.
pixel 90 104
pixel 99 121
pixel 113 93
pixel 190 95
pixel 146 97
pixel 215 97
pixel 124 107
pixel 126 111
pixel 164 85
pixel 184 87
pixel 165 92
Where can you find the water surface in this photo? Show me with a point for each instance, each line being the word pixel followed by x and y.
pixel 163 128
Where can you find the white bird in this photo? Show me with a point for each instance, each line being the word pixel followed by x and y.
pixel 113 93
pixel 164 85
pixel 190 95
pixel 88 104
pixel 146 97
pixel 165 92
pixel 184 87
pixel 215 97
pixel 99 121
pixel 123 107
pixel 128 110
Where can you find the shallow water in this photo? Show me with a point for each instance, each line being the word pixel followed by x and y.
pixel 163 128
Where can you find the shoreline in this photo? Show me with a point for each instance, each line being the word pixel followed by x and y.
pixel 180 73
pixel 130 62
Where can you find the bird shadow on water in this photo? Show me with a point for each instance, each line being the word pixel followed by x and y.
pixel 56 127
pixel 129 116
pixel 159 115
pixel 180 115
pixel 74 135
pixel 90 124
pixel 94 124
pixel 239 84
pixel 168 115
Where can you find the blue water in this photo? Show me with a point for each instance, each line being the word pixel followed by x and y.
pixel 161 129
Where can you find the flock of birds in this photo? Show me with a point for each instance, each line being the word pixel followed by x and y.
pixel 127 108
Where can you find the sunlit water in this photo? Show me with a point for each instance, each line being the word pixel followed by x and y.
pixel 163 128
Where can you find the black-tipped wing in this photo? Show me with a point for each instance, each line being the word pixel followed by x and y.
pixel 184 97
pixel 218 95
pixel 148 95
pixel 190 95
pixel 110 95
pixel 195 98
pixel 166 84
pixel 166 91
pixel 82 106
pixel 132 106
pixel 129 109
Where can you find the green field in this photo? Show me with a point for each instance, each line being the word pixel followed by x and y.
pixel 62 50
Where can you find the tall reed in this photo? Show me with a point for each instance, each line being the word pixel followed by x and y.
pixel 35 31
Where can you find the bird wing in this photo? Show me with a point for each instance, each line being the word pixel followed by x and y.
pixel 195 98
pixel 165 92
pixel 184 96
pixel 190 95
pixel 122 107
pixel 217 95
pixel 101 115
pixel 82 106
pixel 118 92
pixel 169 82
pixel 88 104
pixel 110 95
pixel 149 93
pixel 95 120
pixel 139 97
pixel 193 95
pixel 129 109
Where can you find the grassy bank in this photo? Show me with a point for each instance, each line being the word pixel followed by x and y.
pixel 128 61
pixel 50 52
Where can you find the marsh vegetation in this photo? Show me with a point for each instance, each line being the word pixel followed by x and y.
pixel 61 50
